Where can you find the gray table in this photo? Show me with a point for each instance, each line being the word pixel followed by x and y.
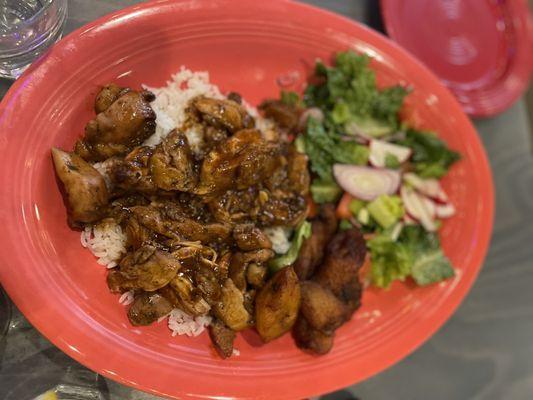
pixel 485 351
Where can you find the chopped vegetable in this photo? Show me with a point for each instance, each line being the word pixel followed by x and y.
pixel 431 156
pixel 299 144
pixel 416 253
pixel 303 231
pixel 366 183
pixel 349 94
pixel 325 148
pixel 386 210
pixel 343 209
pixel 290 98
pixel 325 191
pixel 390 260
pixel 355 205
pixel 429 263
pixel 312 209
pixel 419 207
pixel 363 216
pixel 444 210
pixel 391 161
pixel 428 187
pixel 396 230
pixel 345 225
pixel 379 150
pixel 313 112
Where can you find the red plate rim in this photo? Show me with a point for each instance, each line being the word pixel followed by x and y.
pixel 394 354
pixel 503 92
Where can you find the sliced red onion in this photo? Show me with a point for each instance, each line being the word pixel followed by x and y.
pixel 380 148
pixel 314 112
pixel 408 220
pixel 366 183
pixel 419 207
pixel 444 210
pixel 428 187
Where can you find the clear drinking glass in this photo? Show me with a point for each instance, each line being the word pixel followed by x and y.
pixel 27 29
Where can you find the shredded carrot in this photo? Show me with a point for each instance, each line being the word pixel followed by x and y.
pixel 312 209
pixel 343 210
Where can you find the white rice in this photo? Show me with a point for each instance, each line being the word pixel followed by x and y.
pixel 107 241
pixel 127 298
pixel 279 237
pixel 181 323
pixel 171 101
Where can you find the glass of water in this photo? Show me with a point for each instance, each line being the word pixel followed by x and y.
pixel 27 29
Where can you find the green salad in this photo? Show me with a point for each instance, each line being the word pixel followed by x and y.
pixel 382 173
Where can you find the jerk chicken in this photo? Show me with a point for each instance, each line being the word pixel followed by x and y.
pixel 195 219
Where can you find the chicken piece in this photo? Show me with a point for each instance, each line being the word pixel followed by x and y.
pixel 321 309
pixel 222 338
pixel 230 309
pixel 213 137
pixel 313 248
pixel 172 225
pixel 340 270
pixel 260 206
pixel 207 282
pixel 85 189
pixel 256 274
pixel 277 305
pixel 248 237
pixel 236 207
pixel 245 159
pixel 249 304
pixel 124 124
pixel 219 167
pixel 137 234
pixel 223 264
pixel 148 268
pixel 284 115
pixel 223 113
pixel 298 173
pixel 119 207
pixel 132 174
pixel 240 261
pixel 310 339
pixel 117 283
pixel 234 96
pixel 171 165
pixel 107 96
pixel 170 295
pixel 282 209
pixel 148 308
pixel 189 301
pixel 257 162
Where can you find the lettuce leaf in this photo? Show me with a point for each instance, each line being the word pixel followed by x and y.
pixel 431 156
pixel 416 253
pixel 325 149
pixel 348 93
pixel 429 263
pixel 390 260
pixel 303 231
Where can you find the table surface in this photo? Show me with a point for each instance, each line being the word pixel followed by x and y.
pixel 485 351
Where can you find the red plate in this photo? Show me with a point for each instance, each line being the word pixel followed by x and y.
pixel 246 46
pixel 481 49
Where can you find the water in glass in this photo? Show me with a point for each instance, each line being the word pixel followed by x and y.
pixel 27 29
